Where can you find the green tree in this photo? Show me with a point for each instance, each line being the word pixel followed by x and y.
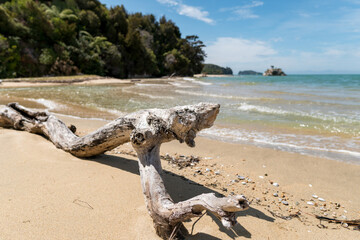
pixel 9 57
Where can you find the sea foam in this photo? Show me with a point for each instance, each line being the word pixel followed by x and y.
pixel 50 105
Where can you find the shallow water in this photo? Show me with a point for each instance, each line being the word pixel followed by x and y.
pixel 309 114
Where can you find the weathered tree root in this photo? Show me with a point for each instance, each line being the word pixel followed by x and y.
pixel 146 130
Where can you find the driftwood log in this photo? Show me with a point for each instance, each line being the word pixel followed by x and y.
pixel 147 130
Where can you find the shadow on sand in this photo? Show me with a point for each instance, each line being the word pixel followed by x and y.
pixel 185 189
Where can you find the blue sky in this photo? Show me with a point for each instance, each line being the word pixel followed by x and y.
pixel 307 36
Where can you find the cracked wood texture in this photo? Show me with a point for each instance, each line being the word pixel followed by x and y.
pixel 147 130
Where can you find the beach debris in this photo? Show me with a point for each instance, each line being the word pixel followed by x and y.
pixel 83 204
pixel 289 217
pixel 181 161
pixel 146 130
pixel 241 177
pixel 355 222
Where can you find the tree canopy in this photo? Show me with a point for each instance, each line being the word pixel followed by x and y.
pixel 65 37
pixel 215 69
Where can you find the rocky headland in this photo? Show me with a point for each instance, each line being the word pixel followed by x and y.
pixel 272 71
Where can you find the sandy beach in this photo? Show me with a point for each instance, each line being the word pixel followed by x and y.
pixel 174 119
pixel 49 194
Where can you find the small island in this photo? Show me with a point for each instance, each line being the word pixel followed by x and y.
pixel 272 71
pixel 249 72
pixel 213 69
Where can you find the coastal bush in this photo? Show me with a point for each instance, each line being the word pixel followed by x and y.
pixel 42 37
pixel 215 69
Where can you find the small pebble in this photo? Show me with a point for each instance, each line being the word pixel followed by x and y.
pixel 343 216
pixel 314 196
pixel 207 170
pixel 310 203
pixel 276 184
pixel 243 183
pixel 217 172
pixel 261 177
pixel 241 177
pixel 310 185
pixel 345 225
pixel 275 195
pixel 285 203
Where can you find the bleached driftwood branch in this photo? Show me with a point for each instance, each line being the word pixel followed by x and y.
pixel 147 130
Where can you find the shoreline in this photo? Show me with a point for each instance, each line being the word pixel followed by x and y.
pixel 109 114
pixel 96 80
pixel 41 183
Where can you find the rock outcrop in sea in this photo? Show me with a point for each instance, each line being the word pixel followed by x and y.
pixel 249 72
pixel 274 72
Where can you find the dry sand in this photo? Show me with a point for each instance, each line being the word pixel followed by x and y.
pixel 46 193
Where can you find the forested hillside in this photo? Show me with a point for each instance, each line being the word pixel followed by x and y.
pixel 215 69
pixel 78 36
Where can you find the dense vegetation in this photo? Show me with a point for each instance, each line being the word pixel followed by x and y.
pixel 65 37
pixel 249 72
pixel 215 69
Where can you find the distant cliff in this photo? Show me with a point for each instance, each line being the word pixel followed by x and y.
pixel 249 72
pixel 272 71
pixel 215 69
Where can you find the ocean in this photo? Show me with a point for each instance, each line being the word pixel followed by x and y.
pixel 316 115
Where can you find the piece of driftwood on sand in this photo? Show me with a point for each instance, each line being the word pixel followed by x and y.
pixel 146 130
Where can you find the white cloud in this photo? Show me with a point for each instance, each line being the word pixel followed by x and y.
pixel 194 12
pixel 334 52
pixel 254 4
pixel 239 53
pixel 169 2
pixel 245 54
pixel 189 11
pixel 245 11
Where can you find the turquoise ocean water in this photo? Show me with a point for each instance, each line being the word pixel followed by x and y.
pixel 308 114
